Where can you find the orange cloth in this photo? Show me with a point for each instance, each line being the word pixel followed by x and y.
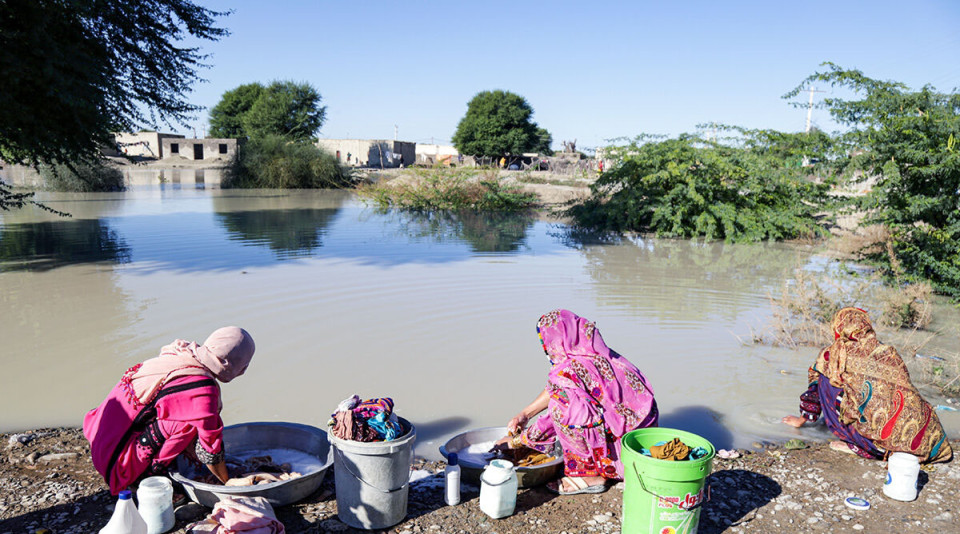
pixel 672 450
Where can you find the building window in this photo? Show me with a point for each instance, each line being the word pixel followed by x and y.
pixel 223 148
pixel 174 148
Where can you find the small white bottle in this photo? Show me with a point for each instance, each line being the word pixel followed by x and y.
pixel 451 478
pixel 125 519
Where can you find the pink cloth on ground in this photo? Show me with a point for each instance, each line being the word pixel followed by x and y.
pixel 596 396
pixel 182 417
pixel 250 515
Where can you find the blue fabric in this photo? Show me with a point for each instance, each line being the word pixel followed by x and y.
pixel 387 429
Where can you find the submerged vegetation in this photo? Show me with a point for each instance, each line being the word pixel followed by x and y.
pixel 274 161
pixel 448 189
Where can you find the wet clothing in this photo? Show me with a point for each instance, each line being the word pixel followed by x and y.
pixel 811 407
pixel 596 396
pixel 877 400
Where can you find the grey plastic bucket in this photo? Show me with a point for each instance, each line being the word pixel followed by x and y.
pixel 373 479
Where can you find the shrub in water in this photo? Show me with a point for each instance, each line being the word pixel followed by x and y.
pixel 276 162
pixel 84 177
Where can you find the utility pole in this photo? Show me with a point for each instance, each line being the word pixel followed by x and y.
pixel 810 107
pixel 396 132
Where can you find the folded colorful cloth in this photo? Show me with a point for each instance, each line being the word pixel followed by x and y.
pixel 249 515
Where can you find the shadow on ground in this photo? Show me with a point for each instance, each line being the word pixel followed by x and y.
pixel 735 497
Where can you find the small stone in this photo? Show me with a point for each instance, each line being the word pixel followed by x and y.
pixel 601 518
pixel 434 527
pixel 57 457
pixel 946 516
pixel 813 520
pixel 858 526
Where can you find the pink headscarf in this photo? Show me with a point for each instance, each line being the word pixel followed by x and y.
pixel 588 371
pixel 224 355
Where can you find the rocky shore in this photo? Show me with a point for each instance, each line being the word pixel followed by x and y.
pixel 47 482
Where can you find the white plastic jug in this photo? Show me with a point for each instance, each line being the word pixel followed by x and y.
pixel 498 489
pixel 902 472
pixel 125 519
pixel 155 495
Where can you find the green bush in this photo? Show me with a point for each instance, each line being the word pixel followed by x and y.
pixel 689 187
pixel 448 189
pixel 275 162
pixel 84 177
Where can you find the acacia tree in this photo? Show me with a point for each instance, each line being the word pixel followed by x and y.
pixel 499 123
pixel 910 142
pixel 285 108
pixel 75 71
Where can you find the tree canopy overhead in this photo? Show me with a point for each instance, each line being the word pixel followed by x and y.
pixel 499 123
pixel 285 108
pixel 75 71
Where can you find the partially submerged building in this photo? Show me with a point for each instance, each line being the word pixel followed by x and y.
pixel 380 153
pixel 199 149
pixel 140 144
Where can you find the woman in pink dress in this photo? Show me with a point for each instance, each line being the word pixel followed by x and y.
pixel 165 406
pixel 593 397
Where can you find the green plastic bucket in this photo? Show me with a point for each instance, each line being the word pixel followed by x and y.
pixel 663 496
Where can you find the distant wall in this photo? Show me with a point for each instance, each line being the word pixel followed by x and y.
pixel 199 149
pixel 370 152
pixel 141 144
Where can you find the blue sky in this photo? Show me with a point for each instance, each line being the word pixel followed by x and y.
pixel 591 70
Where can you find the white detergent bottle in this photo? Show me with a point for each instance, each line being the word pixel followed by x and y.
pixel 125 519
pixel 451 478
pixel 498 489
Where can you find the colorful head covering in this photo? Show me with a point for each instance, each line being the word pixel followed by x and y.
pixel 224 355
pixel 587 371
pixel 879 399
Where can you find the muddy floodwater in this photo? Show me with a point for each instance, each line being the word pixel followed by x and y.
pixel 437 311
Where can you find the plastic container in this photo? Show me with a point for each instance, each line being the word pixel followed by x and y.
pixel 902 472
pixel 125 519
pixel 498 489
pixel 155 496
pixel 663 495
pixel 451 480
pixel 372 479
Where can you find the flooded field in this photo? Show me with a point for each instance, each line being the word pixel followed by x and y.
pixel 437 311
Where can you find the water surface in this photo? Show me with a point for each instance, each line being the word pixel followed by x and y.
pixel 435 310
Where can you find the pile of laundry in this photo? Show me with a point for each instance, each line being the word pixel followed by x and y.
pixel 249 515
pixel 253 471
pixel 674 450
pixel 368 420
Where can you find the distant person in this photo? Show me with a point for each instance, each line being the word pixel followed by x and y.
pixel 863 390
pixel 600 166
pixel 401 161
pixel 349 155
pixel 503 162
pixel 593 397
pixel 166 406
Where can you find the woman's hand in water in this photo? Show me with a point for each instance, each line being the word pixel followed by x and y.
pixel 794 421
pixel 517 424
pixel 505 443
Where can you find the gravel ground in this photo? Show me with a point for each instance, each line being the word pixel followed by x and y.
pixel 49 483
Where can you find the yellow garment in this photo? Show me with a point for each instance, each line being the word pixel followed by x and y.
pixel 672 450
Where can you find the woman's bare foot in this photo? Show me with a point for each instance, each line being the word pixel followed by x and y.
pixel 794 421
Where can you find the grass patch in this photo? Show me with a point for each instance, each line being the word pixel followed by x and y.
pixel 448 189
pixel 81 177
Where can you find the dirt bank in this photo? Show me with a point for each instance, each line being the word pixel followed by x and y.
pixel 769 489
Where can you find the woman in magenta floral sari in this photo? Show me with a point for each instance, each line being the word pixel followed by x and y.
pixel 593 397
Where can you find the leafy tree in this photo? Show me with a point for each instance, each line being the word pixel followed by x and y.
pixel 689 187
pixel 499 123
pixel 909 141
pixel 75 71
pixel 82 177
pixel 284 108
pixel 544 140
pixel 226 118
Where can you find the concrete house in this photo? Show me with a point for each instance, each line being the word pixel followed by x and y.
pixel 199 149
pixel 140 144
pixel 430 154
pixel 379 153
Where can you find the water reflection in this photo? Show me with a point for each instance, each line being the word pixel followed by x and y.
pixel 288 233
pixel 42 246
pixel 685 282
pixel 496 232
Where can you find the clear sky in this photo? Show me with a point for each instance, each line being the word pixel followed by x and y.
pixel 591 70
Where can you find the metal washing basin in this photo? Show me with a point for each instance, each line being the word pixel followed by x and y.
pixel 527 477
pixel 245 440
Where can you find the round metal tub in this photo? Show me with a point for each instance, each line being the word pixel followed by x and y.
pixel 527 477
pixel 247 438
